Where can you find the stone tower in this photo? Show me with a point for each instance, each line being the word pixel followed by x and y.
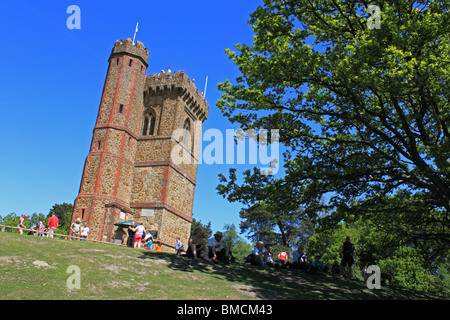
pixel 130 171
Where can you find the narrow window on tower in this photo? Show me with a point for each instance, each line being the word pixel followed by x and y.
pixel 121 108
pixel 148 126
pixel 186 133
pixel 152 125
pixel 99 144
pixel 145 127
pixel 82 213
pixel 117 61
pixel 129 64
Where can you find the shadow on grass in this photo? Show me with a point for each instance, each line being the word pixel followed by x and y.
pixel 275 284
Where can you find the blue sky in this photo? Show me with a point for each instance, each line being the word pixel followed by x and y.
pixel 52 79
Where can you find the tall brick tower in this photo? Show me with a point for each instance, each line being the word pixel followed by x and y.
pixel 129 172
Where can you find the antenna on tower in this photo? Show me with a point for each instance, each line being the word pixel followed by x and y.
pixel 135 31
pixel 206 83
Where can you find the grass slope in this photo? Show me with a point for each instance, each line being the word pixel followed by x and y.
pixel 36 268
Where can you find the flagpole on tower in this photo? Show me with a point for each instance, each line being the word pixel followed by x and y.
pixel 135 31
pixel 206 83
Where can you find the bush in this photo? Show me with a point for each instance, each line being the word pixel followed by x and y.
pixel 444 279
pixel 407 269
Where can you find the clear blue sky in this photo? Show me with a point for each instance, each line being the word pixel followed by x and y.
pixel 52 79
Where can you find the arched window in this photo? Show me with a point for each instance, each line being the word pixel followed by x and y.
pixel 148 127
pixel 186 133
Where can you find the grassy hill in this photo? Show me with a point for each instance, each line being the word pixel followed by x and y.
pixel 36 268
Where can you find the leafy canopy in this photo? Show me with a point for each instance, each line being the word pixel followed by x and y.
pixel 363 112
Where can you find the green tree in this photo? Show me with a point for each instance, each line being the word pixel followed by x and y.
pixel 238 246
pixel 272 213
pixel 328 243
pixel 364 112
pixel 206 229
pixel 444 277
pixel 403 263
pixel 11 220
pixel 407 268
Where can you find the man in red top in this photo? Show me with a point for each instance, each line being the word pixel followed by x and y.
pixel 283 257
pixel 52 224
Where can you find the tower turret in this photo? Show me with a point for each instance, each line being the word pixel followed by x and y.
pixel 108 172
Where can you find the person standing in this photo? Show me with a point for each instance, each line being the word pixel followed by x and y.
pixel 348 252
pixel 140 229
pixel 21 226
pixel 53 222
pixel 84 232
pixel 75 229
pixel 41 229
pixel 131 234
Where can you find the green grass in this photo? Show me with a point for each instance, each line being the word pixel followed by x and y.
pixel 36 268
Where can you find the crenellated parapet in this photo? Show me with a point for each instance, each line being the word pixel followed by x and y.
pixel 137 50
pixel 178 83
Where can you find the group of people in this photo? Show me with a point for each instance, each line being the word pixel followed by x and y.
pixel 79 231
pixel 262 255
pixel 42 229
pixel 136 236
pixel 213 251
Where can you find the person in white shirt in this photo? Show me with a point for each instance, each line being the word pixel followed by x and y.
pixel 299 259
pixel 217 250
pixel 260 254
pixel 179 247
pixel 84 232
pixel 140 229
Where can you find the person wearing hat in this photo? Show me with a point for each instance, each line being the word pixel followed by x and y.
pixel 196 245
pixel 75 229
pixel 217 250
pixel 21 225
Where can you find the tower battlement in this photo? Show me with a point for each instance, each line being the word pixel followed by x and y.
pixel 126 46
pixel 159 85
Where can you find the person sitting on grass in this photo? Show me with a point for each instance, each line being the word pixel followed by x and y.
pixel 196 246
pixel 179 247
pixel 299 259
pixel 318 265
pixel 217 250
pixel 148 241
pixel 259 255
pixel 269 261
pixel 335 268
